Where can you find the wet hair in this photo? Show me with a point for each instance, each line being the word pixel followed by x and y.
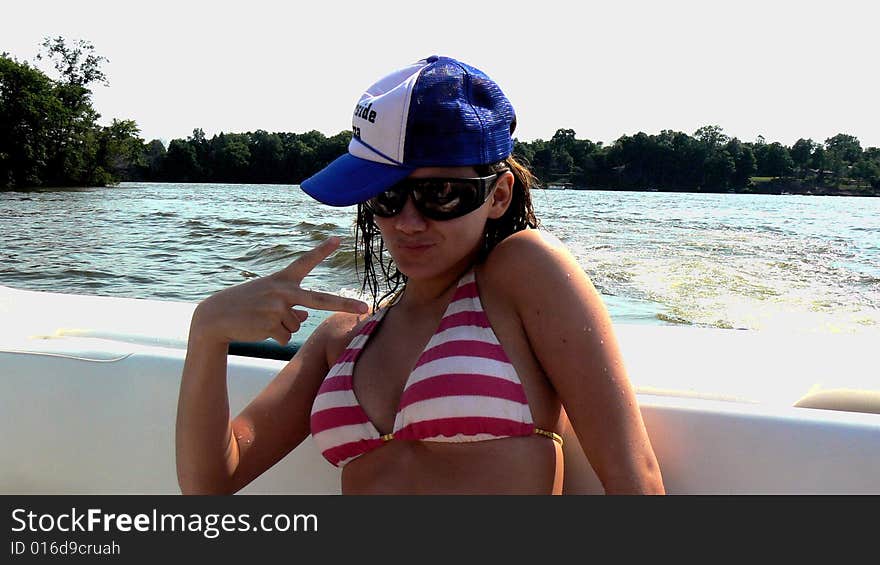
pixel 370 247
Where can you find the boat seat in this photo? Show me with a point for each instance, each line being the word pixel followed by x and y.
pixel 849 400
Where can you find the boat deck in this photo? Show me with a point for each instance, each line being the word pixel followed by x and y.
pixel 90 393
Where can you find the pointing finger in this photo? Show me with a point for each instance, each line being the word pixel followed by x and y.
pixel 327 301
pixel 304 264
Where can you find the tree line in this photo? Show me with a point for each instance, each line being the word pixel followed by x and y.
pixel 707 161
pixel 49 136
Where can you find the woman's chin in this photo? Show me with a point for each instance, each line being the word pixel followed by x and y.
pixel 419 269
pixel 414 270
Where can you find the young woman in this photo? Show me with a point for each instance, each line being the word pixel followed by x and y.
pixel 487 336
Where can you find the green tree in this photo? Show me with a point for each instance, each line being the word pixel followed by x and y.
pixel 230 157
pixel 48 128
pixel 744 164
pixel 800 153
pixel 121 150
pixel 842 152
pixel 333 147
pixel 299 158
pixel 204 153
pixel 267 155
pixel 542 159
pixel 153 156
pixel 27 103
pixel 845 148
pixel 562 167
pixel 711 136
pixel 524 151
pixel 773 160
pixel 74 140
pixel 77 65
pixel 635 153
pixel 77 148
pixel 718 165
pixel 868 171
pixel 180 162
pixel 584 165
pixel 690 155
pixel 719 169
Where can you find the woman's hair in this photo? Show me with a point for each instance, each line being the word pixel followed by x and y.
pixel 371 248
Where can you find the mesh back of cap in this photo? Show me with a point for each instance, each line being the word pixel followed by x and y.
pixel 457 116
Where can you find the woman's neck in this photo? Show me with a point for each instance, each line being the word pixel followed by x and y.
pixel 428 292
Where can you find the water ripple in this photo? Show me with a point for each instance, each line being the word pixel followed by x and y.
pixel 731 261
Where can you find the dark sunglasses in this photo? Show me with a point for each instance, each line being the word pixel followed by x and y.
pixel 435 198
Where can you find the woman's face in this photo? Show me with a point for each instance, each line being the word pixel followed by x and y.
pixel 424 248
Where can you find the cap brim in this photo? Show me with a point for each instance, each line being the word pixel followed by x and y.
pixel 349 180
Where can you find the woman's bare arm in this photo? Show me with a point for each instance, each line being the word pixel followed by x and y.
pixel 219 456
pixel 214 454
pixel 573 339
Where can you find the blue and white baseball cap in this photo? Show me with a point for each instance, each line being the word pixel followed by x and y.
pixel 437 112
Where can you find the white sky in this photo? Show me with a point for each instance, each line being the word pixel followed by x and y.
pixel 778 68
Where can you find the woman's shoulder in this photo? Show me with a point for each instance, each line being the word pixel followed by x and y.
pixel 527 243
pixel 529 255
pixel 337 331
pixel 532 269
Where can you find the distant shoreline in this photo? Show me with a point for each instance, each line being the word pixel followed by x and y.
pixel 774 186
pixel 784 190
pixel 813 192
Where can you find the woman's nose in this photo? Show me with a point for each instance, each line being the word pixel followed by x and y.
pixel 410 219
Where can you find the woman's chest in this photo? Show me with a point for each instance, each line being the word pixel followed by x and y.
pixel 382 370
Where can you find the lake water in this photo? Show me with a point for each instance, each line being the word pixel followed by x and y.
pixel 799 263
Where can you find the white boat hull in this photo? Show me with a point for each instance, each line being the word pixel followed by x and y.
pixel 91 408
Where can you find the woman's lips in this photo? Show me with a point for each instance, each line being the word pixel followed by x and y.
pixel 415 246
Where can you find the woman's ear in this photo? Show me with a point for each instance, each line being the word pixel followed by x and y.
pixel 501 195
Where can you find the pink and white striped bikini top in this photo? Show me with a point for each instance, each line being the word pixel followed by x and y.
pixel 463 388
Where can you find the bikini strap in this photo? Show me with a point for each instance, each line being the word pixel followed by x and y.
pixel 552 435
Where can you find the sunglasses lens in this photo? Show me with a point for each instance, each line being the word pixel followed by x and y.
pixel 441 199
pixel 388 203
pixel 435 198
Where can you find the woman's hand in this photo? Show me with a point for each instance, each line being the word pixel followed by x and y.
pixel 266 307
